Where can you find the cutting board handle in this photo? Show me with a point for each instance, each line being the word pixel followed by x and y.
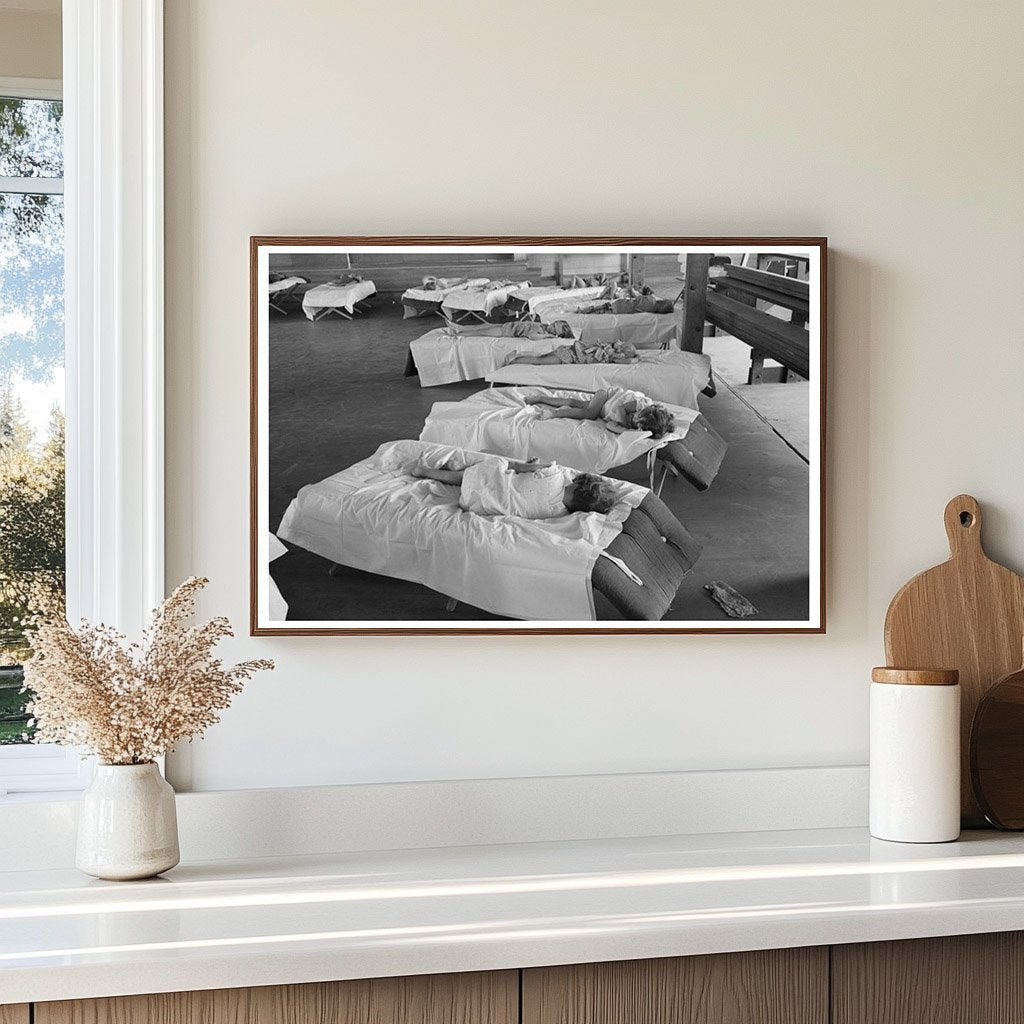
pixel 963 526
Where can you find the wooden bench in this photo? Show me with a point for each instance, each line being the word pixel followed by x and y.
pixel 730 303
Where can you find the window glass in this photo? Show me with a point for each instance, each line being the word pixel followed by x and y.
pixel 31 138
pixel 31 387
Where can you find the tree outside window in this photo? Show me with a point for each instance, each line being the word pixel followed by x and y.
pixel 31 386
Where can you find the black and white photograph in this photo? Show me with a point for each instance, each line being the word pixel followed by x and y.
pixel 543 435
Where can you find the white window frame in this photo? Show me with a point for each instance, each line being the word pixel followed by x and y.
pixel 41 767
pixel 114 323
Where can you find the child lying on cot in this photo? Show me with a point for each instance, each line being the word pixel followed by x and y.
pixel 578 352
pixel 530 329
pixel 629 304
pixel 620 408
pixel 531 490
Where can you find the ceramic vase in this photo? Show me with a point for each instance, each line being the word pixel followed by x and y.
pixel 127 825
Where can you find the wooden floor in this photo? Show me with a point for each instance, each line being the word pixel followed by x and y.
pixel 338 391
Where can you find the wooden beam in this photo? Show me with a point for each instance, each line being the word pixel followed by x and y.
pixel 637 266
pixel 695 299
pixel 784 342
pixel 737 289
pixel 787 285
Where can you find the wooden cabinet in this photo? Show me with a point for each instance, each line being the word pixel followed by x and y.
pixel 962 979
pixel 968 979
pixel 491 998
pixel 778 986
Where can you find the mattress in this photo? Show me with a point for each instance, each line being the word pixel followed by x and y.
pixel 375 517
pixel 478 300
pixel 336 296
pixel 656 547
pixel 643 330
pixel 499 420
pixel 441 358
pixel 673 377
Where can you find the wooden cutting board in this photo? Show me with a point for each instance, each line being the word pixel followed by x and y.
pixel 967 614
pixel 997 752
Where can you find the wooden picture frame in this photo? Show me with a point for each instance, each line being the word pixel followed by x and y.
pixel 333 391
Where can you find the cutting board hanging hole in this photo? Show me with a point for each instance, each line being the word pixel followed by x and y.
pixel 963 526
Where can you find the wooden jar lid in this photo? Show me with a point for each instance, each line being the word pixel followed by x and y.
pixel 916 676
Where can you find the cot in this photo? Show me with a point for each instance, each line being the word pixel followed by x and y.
pixel 376 517
pixel 427 300
pixel 526 299
pixel 281 290
pixel 477 302
pixel 343 298
pixel 499 420
pixel 444 356
pixel 674 377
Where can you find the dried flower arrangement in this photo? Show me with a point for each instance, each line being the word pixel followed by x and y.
pixel 130 703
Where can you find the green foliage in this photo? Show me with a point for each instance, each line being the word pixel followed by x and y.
pixel 31 544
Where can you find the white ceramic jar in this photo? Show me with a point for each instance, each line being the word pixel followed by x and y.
pixel 915 755
pixel 127 823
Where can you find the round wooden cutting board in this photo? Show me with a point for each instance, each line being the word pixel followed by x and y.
pixel 997 752
pixel 967 614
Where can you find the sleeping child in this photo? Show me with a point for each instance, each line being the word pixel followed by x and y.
pixel 578 352
pixel 531 490
pixel 531 329
pixel 620 408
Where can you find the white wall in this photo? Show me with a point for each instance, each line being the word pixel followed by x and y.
pixel 894 129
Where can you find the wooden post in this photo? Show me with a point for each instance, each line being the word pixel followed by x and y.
pixel 637 263
pixel 695 301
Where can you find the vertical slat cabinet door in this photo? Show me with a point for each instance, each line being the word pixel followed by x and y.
pixel 14 1014
pixel 777 986
pixel 481 998
pixel 960 979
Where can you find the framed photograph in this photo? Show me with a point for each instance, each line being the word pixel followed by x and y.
pixel 537 435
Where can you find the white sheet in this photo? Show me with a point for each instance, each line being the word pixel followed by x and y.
pixel 536 297
pixel 279 286
pixel 437 294
pixel 336 296
pixel 673 377
pixel 443 359
pixel 278 606
pixel 374 517
pixel 482 300
pixel 499 420
pixel 644 330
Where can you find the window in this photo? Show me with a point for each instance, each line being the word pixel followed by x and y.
pixel 32 569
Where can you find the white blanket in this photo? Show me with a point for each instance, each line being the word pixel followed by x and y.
pixel 375 517
pixel 437 294
pixel 499 420
pixel 288 282
pixel 673 377
pixel 478 300
pixel 336 296
pixel 441 358
pixel 278 606
pixel 536 297
pixel 644 330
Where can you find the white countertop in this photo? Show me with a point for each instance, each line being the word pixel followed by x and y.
pixel 351 915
